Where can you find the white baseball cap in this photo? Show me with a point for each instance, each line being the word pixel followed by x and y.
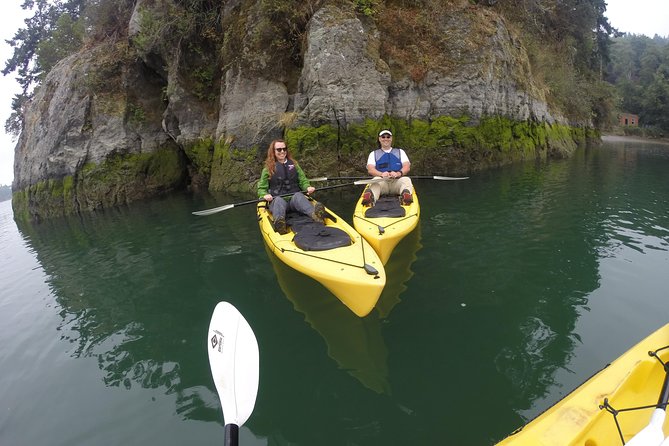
pixel 383 132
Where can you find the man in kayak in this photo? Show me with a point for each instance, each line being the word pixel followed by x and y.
pixel 282 175
pixel 391 163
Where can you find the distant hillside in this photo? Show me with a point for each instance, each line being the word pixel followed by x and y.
pixel 5 193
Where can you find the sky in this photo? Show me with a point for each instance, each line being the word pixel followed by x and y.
pixel 647 17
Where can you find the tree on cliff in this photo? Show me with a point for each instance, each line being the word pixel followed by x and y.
pixel 56 29
pixel 5 193
pixel 50 34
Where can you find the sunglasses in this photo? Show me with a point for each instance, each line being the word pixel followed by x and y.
pixel 281 149
pixel 385 136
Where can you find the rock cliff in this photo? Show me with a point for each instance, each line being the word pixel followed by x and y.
pixel 126 119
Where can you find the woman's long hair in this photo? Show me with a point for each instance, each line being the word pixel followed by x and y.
pixel 270 161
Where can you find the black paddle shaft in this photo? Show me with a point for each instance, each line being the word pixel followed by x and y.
pixel 231 435
pixel 664 394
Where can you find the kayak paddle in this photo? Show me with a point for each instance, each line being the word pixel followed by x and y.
pixel 234 362
pixel 258 200
pixel 416 177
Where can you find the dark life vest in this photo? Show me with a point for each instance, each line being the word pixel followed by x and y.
pixel 284 180
pixel 388 162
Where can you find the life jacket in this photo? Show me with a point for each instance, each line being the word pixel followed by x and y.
pixel 388 162
pixel 284 180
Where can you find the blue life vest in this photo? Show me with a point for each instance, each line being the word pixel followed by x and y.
pixel 388 162
pixel 284 180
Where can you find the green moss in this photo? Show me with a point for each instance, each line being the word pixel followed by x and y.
pixel 442 145
pixel 233 169
pixel 121 178
pixel 200 155
pixel 41 200
pixel 20 205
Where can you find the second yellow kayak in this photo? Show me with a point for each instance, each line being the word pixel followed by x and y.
pixel 633 380
pixel 385 228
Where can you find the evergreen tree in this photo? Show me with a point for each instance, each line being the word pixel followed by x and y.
pixel 49 35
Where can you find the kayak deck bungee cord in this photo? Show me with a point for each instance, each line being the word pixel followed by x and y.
pixel 332 253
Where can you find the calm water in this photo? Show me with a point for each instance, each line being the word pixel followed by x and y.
pixel 519 284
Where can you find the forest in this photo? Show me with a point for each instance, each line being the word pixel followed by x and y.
pixel 639 70
pixel 5 193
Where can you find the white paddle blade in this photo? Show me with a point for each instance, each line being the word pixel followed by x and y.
pixel 234 361
pixel 652 434
pixel 450 178
pixel 214 210
pixel 370 181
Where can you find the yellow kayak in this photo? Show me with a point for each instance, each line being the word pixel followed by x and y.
pixel 633 380
pixel 351 270
pixel 386 223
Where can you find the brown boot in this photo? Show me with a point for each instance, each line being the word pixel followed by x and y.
pixel 368 198
pixel 407 199
pixel 319 213
pixel 280 226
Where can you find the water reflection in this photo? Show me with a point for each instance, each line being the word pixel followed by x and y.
pixel 355 343
pixel 521 262
pixel 485 313
pixel 123 280
pixel 399 272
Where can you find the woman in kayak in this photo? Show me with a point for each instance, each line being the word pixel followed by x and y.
pixel 282 175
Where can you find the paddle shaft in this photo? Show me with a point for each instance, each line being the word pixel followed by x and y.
pixel 413 177
pixel 258 200
pixel 292 193
pixel 231 435
pixel 664 393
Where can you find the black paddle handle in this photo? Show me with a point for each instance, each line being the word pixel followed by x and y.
pixel 231 435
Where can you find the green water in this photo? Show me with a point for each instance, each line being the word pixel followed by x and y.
pixel 518 285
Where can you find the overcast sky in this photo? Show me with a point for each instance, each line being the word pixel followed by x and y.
pixel 648 17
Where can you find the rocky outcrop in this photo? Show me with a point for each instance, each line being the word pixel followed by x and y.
pixel 100 132
pixel 342 81
pixel 251 109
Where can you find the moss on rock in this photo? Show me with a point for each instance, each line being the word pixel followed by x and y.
pixel 233 169
pixel 445 144
pixel 120 179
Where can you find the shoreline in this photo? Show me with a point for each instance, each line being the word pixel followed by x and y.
pixel 624 138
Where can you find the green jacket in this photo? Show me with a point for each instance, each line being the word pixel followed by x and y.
pixel 263 183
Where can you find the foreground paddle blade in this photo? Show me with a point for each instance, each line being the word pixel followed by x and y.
pixel 653 434
pixel 234 361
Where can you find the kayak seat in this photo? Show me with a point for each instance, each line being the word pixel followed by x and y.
pixel 312 236
pixel 386 206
